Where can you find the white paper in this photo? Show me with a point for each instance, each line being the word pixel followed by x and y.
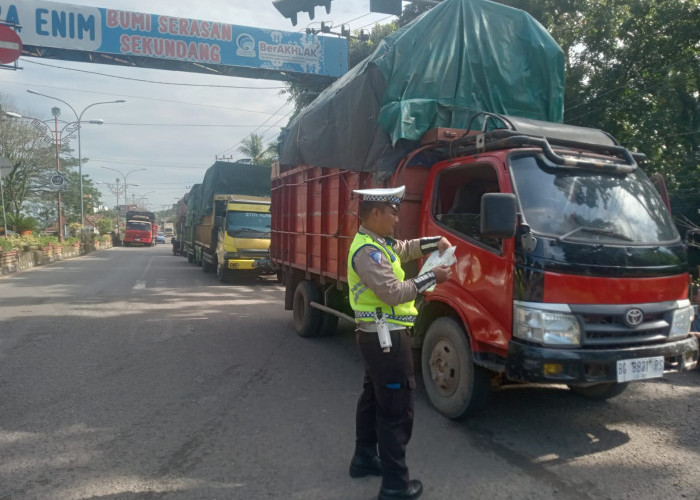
pixel 435 260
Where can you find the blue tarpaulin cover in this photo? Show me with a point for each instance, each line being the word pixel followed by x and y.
pixel 461 57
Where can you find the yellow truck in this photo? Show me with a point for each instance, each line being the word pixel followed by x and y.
pixel 241 230
pixel 231 220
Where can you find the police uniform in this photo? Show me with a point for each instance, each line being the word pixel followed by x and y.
pixel 384 417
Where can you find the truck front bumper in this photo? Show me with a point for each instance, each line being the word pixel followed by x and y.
pixel 580 366
pixel 263 265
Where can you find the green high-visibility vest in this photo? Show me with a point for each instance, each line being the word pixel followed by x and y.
pixel 363 300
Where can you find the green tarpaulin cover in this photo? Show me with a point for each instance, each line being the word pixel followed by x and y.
pixel 226 178
pixel 458 58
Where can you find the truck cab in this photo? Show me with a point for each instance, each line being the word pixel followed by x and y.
pixel 243 241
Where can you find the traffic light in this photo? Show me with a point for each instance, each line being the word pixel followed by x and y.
pixel 385 6
pixel 290 8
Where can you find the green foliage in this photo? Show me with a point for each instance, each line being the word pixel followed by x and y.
pixel 256 152
pixel 72 240
pixel 6 244
pixel 105 226
pixel 27 242
pixel 20 223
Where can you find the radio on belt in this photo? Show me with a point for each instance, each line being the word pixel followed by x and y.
pixel 382 330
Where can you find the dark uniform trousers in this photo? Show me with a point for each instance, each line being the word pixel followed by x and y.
pixel 384 417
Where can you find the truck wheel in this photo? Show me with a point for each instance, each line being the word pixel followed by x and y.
pixel 306 318
pixel 223 274
pixel 600 392
pixel 456 387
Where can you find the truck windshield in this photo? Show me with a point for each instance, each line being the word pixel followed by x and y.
pixel 590 206
pixel 138 226
pixel 249 224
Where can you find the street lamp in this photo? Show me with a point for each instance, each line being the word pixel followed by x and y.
pixel 5 169
pixel 126 199
pixel 79 118
pixel 55 137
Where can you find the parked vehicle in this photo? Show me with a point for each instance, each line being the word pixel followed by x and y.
pixel 139 229
pixel 569 268
pixel 227 227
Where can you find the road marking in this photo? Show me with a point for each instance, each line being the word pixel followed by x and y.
pixel 141 282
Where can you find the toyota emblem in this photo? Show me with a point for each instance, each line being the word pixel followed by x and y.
pixel 634 317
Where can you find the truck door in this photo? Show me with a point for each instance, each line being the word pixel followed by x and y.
pixel 485 266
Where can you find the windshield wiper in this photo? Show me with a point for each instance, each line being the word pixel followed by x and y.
pixel 595 230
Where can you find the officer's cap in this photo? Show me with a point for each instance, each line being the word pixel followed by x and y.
pixel 392 196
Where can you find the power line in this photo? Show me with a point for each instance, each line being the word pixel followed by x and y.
pixel 253 132
pixel 170 101
pixel 143 80
pixel 183 125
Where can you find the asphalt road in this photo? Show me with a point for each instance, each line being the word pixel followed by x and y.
pixel 131 374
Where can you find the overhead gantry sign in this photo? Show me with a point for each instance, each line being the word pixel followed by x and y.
pixel 109 36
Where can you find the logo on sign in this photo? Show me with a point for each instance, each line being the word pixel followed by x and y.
pixel 634 317
pixel 246 45
pixel 58 180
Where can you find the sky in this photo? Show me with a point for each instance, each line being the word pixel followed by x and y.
pixel 174 132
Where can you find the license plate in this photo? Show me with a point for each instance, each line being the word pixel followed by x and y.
pixel 640 368
pixel 137 239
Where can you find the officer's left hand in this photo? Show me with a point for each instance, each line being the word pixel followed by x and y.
pixel 443 244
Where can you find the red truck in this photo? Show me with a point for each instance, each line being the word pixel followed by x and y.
pixel 569 270
pixel 141 228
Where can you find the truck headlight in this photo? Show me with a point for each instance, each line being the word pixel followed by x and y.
pixel 681 319
pixel 547 324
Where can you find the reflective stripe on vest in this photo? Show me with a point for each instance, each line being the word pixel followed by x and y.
pixel 363 300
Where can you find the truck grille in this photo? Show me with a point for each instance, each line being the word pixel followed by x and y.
pixel 606 325
pixel 253 254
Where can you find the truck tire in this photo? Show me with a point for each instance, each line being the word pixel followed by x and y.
pixel 223 274
pixel 206 267
pixel 306 319
pixel 600 392
pixel 455 385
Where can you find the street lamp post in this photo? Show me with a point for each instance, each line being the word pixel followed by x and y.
pixel 56 137
pixel 5 169
pixel 126 199
pixel 79 118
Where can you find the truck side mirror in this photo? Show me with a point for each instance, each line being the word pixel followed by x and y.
pixel 498 212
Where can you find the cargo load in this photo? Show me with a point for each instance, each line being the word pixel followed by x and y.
pixel 457 59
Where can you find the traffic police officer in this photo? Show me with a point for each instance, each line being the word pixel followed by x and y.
pixel 384 418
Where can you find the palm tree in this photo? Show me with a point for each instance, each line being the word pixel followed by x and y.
pixel 256 152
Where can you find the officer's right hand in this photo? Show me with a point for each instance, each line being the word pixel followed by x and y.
pixel 442 273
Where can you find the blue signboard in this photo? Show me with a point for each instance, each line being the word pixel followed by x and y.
pixel 95 30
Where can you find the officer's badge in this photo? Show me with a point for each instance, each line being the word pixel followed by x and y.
pixel 376 256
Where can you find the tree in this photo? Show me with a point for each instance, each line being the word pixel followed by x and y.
pixel 31 156
pixel 21 223
pixel 256 152
pixel 105 225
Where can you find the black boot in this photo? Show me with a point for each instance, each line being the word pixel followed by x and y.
pixel 412 491
pixel 365 465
